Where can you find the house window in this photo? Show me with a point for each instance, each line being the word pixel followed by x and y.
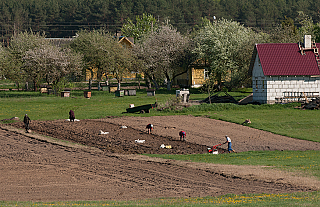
pixel 256 84
pixel 262 84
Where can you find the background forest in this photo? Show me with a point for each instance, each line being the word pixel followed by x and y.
pixel 63 18
pixel 169 36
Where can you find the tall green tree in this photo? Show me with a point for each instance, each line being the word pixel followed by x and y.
pixel 143 25
pixel 102 51
pixel 95 46
pixel 227 46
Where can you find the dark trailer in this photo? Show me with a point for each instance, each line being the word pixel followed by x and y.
pixel 142 109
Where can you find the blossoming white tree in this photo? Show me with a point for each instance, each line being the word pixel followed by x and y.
pixel 34 58
pixel 227 46
pixel 158 51
pixel 51 63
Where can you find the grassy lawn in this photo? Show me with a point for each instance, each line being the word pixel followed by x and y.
pixel 254 200
pixel 49 107
pixel 305 162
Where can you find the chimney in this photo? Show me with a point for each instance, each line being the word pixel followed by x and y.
pixel 307 42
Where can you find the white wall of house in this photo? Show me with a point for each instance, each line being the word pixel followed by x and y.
pixel 259 84
pixel 266 89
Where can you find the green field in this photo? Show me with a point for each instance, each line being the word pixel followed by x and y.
pixel 280 119
pixel 306 162
pixel 254 200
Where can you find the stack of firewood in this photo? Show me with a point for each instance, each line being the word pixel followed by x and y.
pixel 314 104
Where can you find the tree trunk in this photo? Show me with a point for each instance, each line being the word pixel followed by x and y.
pixel 168 85
pixel 209 95
pixel 18 86
pixel 155 83
pixel 34 86
pixel 107 81
pixel 90 84
pixel 27 86
pixel 99 88
pixel 119 85
pixel 168 82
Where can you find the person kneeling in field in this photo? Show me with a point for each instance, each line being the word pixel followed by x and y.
pixel 149 128
pixel 182 135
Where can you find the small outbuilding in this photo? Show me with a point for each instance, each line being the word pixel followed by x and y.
pixel 285 72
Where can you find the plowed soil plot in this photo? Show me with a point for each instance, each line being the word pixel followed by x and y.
pixel 118 140
pixel 35 170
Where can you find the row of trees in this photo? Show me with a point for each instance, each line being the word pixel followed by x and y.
pixel 161 53
pixel 63 18
pixel 32 58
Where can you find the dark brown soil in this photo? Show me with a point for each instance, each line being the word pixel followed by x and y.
pixel 119 140
pixel 33 168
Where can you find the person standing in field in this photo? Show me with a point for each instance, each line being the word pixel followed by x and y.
pixel 149 128
pixel 71 116
pixel 26 121
pixel 182 135
pixel 229 144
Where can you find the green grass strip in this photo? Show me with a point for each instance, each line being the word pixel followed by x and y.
pixel 306 162
pixel 291 199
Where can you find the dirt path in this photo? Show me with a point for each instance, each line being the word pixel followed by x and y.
pixel 37 168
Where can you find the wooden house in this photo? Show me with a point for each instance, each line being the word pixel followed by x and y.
pixel 195 75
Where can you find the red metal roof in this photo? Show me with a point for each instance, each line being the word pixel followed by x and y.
pixel 285 59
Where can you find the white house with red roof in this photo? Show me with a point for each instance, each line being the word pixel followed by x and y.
pixel 285 72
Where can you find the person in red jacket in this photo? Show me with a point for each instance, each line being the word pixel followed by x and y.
pixel 182 135
pixel 149 127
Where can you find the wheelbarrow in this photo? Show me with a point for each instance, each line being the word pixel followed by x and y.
pixel 213 149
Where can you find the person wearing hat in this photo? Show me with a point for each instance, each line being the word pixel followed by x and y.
pixel 229 144
pixel 182 135
pixel 26 121
pixel 149 128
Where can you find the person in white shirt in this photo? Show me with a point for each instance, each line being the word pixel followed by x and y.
pixel 229 144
